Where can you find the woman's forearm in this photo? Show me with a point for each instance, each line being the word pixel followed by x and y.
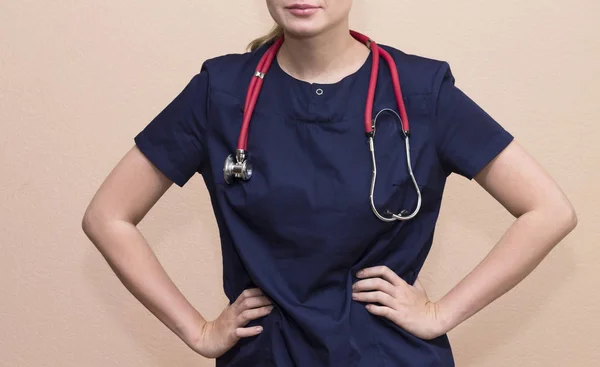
pixel 524 245
pixel 136 265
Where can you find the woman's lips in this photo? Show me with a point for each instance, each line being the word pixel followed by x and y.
pixel 302 9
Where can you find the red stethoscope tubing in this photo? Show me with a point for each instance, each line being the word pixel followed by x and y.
pixel 265 64
pixel 254 90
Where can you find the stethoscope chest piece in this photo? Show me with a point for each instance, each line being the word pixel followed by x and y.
pixel 237 167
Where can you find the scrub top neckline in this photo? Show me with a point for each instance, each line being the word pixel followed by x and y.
pixel 319 102
pixel 362 69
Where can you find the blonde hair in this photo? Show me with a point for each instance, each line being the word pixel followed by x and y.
pixel 274 34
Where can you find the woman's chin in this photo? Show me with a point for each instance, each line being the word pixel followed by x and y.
pixel 303 30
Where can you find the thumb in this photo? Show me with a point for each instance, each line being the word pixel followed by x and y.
pixel 418 285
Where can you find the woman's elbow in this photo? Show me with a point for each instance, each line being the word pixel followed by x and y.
pixel 92 221
pixel 572 219
pixel 89 221
pixel 565 215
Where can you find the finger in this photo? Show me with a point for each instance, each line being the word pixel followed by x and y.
pixel 251 292
pixel 382 311
pixel 254 302
pixel 382 272
pixel 245 332
pixel 374 297
pixel 253 314
pixel 374 284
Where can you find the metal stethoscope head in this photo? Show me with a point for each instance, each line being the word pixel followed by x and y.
pixel 238 168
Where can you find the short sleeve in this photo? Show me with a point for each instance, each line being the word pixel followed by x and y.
pixel 467 138
pixel 174 140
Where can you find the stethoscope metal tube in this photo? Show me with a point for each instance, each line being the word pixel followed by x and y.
pixel 238 167
pixel 406 137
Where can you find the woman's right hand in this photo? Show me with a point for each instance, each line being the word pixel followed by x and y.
pixel 220 335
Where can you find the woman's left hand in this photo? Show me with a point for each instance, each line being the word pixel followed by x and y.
pixel 391 297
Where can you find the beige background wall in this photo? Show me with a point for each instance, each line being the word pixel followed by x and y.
pixel 78 79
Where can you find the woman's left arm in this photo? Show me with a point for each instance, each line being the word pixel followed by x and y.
pixel 544 217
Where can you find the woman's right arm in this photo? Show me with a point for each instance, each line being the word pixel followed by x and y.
pixel 110 220
pixel 121 202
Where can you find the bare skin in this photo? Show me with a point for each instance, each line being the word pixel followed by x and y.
pixel 121 202
pixel 311 53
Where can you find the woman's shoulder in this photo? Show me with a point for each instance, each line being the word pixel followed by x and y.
pixel 419 74
pixel 227 72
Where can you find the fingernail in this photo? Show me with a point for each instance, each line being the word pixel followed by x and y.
pixel 360 273
pixel 259 328
pixel 354 295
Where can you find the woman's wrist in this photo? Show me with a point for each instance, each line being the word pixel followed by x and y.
pixel 192 333
pixel 446 316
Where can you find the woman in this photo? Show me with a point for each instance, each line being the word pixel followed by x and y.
pixel 315 277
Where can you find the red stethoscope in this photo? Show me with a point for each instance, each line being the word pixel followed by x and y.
pixel 238 167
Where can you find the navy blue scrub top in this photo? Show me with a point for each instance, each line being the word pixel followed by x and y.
pixel 302 226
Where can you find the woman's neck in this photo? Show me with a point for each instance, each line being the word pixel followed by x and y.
pixel 324 59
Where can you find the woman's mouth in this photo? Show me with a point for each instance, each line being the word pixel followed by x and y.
pixel 302 9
